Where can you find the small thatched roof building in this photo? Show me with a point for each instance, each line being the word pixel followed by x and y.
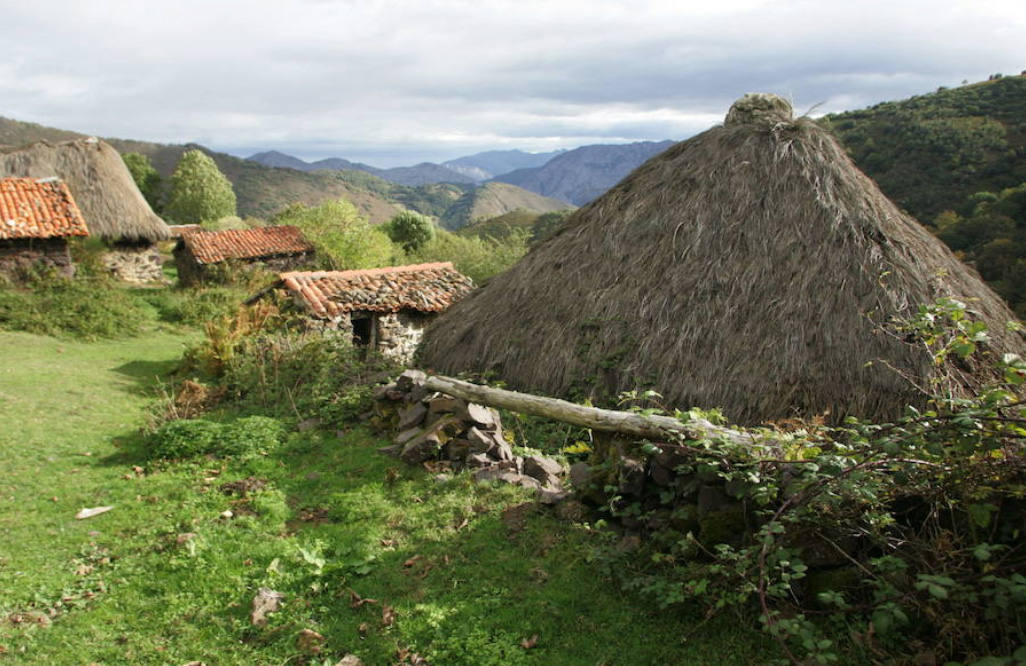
pixel 111 203
pixel 752 267
pixel 36 218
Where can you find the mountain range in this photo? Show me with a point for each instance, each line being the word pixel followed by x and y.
pixel 573 176
pixel 469 169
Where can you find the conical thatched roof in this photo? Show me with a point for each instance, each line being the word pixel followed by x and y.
pixel 752 267
pixel 111 203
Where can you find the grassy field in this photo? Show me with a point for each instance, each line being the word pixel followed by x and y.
pixel 380 560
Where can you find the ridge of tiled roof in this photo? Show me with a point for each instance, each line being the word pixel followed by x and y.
pixel 38 208
pixel 420 287
pixel 211 247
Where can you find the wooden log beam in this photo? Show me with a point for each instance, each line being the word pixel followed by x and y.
pixel 628 423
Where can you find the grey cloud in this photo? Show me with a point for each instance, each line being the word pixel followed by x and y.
pixel 380 81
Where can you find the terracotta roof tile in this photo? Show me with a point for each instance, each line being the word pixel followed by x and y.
pixel 211 247
pixel 420 287
pixel 38 208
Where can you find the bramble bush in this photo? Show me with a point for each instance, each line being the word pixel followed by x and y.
pixel 902 541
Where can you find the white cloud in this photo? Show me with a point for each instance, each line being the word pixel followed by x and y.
pixel 367 79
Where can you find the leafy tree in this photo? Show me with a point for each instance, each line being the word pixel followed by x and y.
pixel 199 191
pixel 145 176
pixel 410 230
pixel 343 238
pixel 477 258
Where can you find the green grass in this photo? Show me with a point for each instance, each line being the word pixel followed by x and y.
pixel 332 518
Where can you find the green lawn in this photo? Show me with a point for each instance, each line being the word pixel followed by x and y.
pixel 164 578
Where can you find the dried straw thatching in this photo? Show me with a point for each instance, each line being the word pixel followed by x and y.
pixel 111 203
pixel 752 267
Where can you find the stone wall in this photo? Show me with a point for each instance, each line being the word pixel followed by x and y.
pixel 137 264
pixel 191 272
pixel 17 257
pixel 398 334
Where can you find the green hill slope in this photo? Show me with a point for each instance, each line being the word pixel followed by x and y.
pixel 930 152
pixel 494 199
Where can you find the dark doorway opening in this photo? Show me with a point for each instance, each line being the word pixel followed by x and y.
pixel 363 328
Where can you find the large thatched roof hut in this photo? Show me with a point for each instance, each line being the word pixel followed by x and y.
pixel 752 267
pixel 110 201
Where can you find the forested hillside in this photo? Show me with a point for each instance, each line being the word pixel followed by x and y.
pixel 955 160
pixel 930 152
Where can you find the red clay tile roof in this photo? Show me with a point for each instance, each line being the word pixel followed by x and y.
pixel 420 287
pixel 210 247
pixel 38 208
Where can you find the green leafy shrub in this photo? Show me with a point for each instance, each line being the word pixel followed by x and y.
pixel 342 237
pixel 304 374
pixel 187 438
pixel 477 258
pixel 194 307
pixel 859 542
pixel 86 308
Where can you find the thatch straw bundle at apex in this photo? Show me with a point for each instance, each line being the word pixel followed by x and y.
pixel 111 203
pixel 752 267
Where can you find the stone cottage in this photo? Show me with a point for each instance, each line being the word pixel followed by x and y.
pixel 384 309
pixel 36 218
pixel 276 248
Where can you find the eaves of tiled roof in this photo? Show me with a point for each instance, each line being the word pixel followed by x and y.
pixel 38 208
pixel 211 247
pixel 419 287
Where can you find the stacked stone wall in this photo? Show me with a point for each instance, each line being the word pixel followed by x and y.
pixel 19 257
pixel 398 334
pixel 138 265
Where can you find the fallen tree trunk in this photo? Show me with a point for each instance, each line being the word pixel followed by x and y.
pixel 627 423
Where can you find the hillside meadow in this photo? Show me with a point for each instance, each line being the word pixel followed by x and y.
pixel 372 558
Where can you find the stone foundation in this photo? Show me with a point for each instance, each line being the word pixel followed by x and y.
pixel 135 264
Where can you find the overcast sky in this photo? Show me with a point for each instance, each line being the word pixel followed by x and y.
pixel 394 83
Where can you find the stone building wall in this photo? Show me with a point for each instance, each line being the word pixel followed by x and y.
pixel 191 272
pixel 19 256
pixel 398 334
pixel 137 264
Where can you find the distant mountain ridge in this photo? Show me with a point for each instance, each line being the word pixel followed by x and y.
pixel 425 173
pixel 580 175
pixel 492 163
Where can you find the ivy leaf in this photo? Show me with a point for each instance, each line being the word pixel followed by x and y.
pixel 980 513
